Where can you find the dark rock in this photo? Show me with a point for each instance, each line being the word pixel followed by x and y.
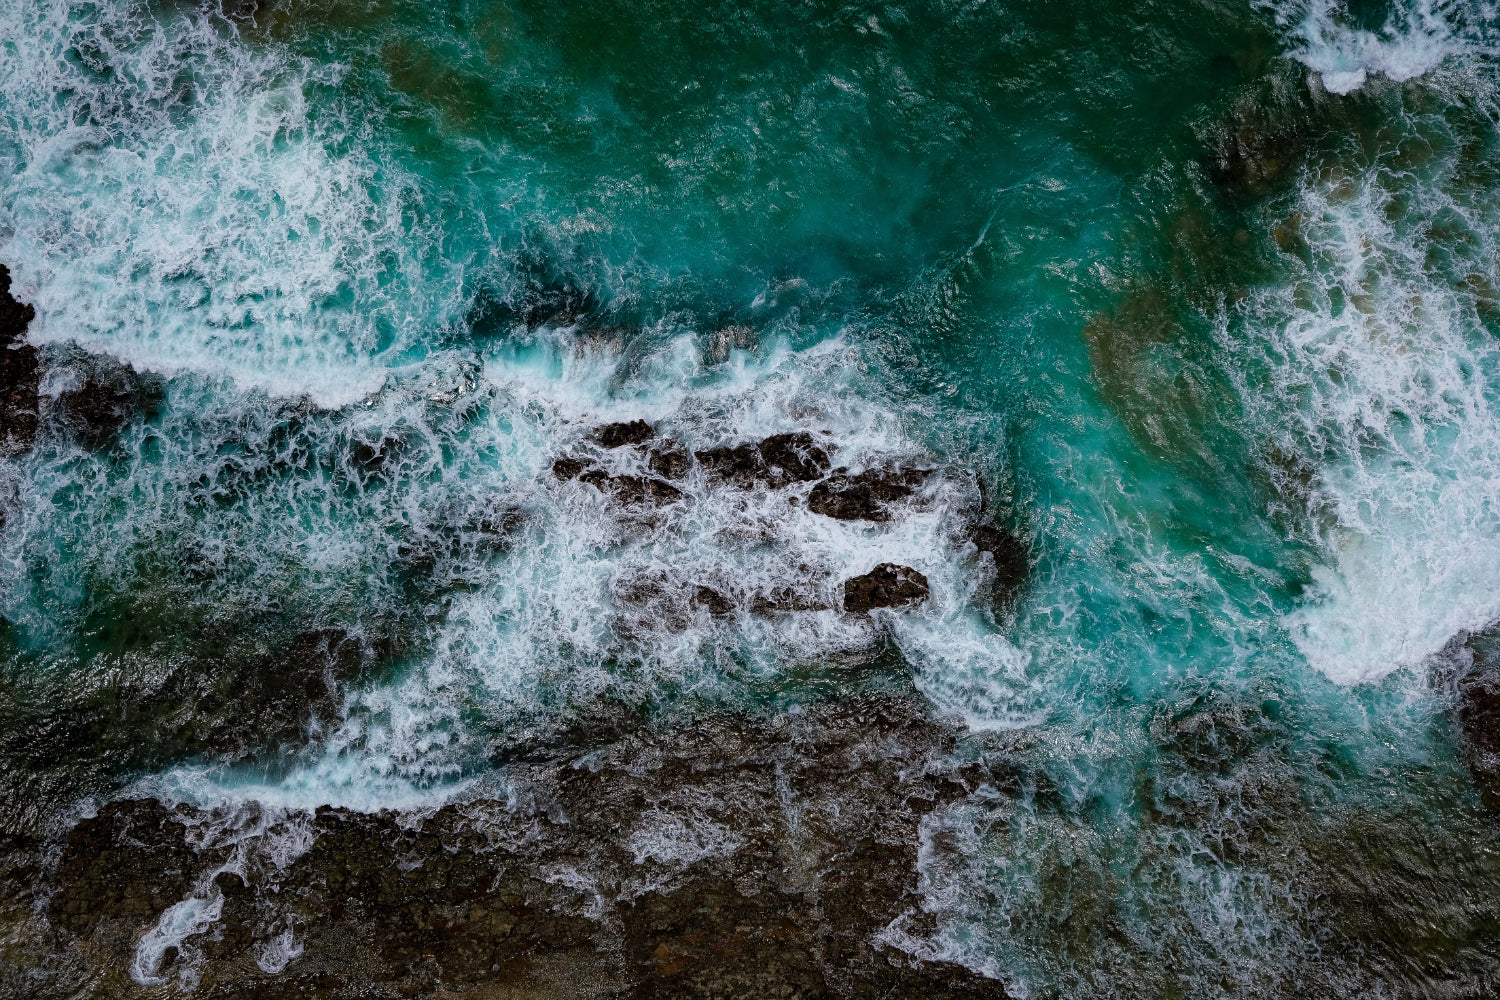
pixel 619 435
pixel 104 861
pixel 230 884
pixel 567 468
pixel 784 599
pixel 741 464
pixel 19 370
pixel 802 837
pixel 885 586
pixel 794 457
pixel 111 396
pixel 301 688
pixel 669 460
pixel 777 461
pixel 632 490
pixel 716 603
pixel 1479 712
pixel 864 497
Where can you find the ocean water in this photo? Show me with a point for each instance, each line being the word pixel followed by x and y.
pixel 1198 299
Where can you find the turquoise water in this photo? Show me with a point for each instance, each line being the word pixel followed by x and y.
pixel 390 259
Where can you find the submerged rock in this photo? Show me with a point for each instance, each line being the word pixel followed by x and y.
pixel 110 397
pixel 1258 149
pixel 1011 560
pixel 731 859
pixel 1479 712
pixel 885 586
pixel 866 496
pixel 20 376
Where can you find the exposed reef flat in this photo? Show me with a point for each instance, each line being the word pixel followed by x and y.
pixel 731 858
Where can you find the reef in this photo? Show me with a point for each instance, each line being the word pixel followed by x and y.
pixel 733 858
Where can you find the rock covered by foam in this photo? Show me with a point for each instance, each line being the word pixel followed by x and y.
pixel 19 370
pixel 731 858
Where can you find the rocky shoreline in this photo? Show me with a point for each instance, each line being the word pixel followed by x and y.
pixel 731 858
pixel 735 856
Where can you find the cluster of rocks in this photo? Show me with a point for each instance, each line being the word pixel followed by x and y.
pixel 777 462
pixel 731 859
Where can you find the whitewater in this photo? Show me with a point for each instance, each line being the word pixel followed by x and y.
pixel 441 407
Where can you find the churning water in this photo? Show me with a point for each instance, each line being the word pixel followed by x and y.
pixel 1198 300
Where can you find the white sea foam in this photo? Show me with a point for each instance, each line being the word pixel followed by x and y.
pixel 676 841
pixel 1417 38
pixel 275 954
pixel 188 210
pixel 1375 367
pixel 579 598
pixel 178 922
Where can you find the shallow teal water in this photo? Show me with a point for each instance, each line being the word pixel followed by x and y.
pixel 1247 428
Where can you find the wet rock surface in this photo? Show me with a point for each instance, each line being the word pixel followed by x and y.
pixel 109 397
pixel 866 496
pixel 669 460
pixel 1010 560
pixel 734 858
pixel 1479 711
pixel 632 490
pixel 223 700
pixel 621 434
pixel 799 463
pixel 20 374
pixel 885 586
pixel 776 461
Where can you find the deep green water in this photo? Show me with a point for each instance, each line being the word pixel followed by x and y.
pixel 1244 412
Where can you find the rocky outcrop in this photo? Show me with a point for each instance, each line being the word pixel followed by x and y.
pixel 782 461
pixel 669 460
pixel 20 374
pixel 1010 562
pixel 622 434
pixel 633 491
pixel 885 586
pixel 731 859
pixel 777 461
pixel 866 496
